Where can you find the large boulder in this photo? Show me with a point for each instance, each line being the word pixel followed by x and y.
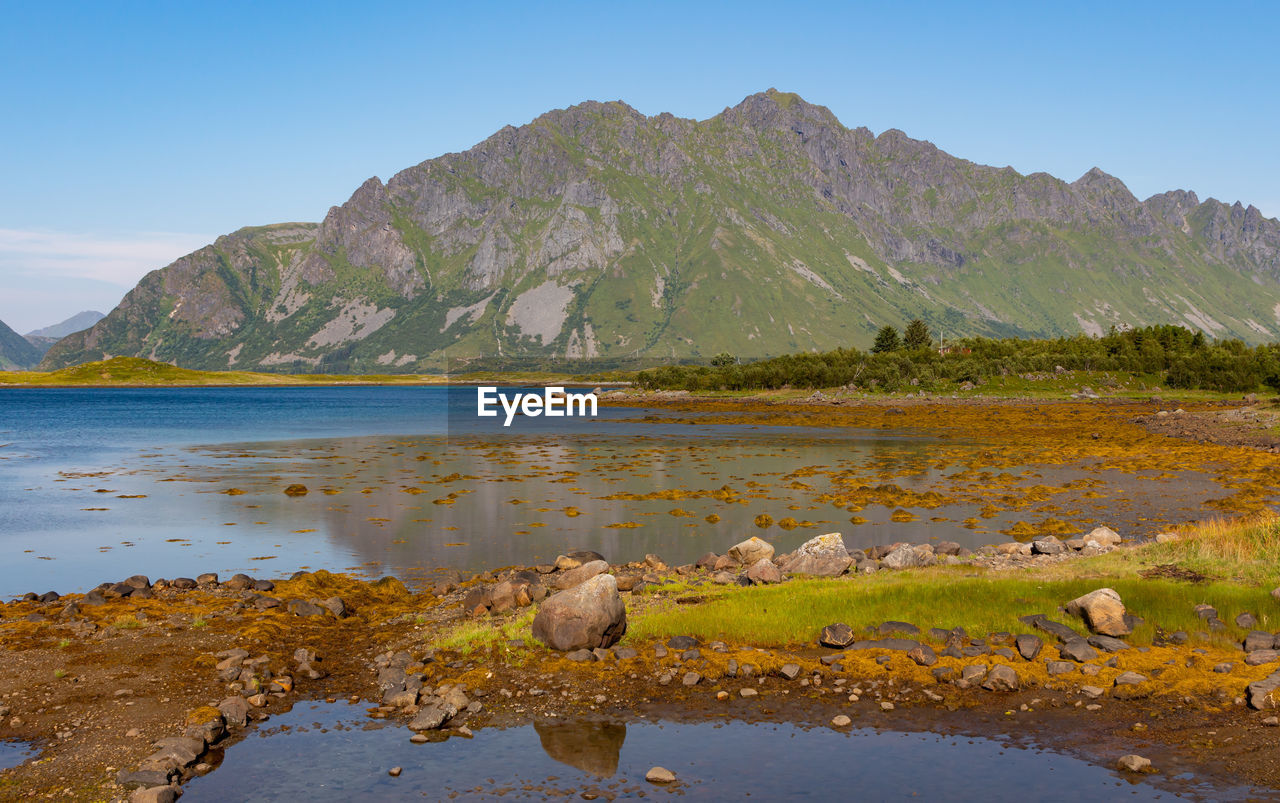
pixel 1102 610
pixel 751 550
pixel 823 556
pixel 588 616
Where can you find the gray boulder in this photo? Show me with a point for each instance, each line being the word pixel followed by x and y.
pixel 822 556
pixel 1102 610
pixel 588 616
pixel 576 577
pixel 763 572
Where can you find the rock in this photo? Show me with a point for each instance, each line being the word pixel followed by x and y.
pixel 747 692
pixel 156 794
pixel 923 655
pixel 1167 538
pixel 1134 763
pixel 576 577
pixel 1029 646
pixel 240 582
pixel 1271 722
pixel 335 606
pixel 588 616
pixel 838 635
pixel 302 607
pixel 764 572
pixel 822 556
pixel 1103 536
pixel 206 579
pixel 183 583
pixel 1107 643
pixel 1102 610
pixel 973 673
pixel 1040 622
pixel 841 721
pixel 576 558
pixel 1261 693
pixel 432 715
pixel 1260 657
pixel 1223 668
pixel 1246 620
pixel 1047 545
pixel 751 550
pixel 235 710
pixel 142 778
pixel 909 629
pixel 790 671
pixel 1001 678
pixel 660 775
pixel 682 643
pixel 690 679
pixel 1077 650
pixel 1059 667
pixel 296 489
pixel 902 557
pixel 1130 679
pixel 394 772
pixel 1259 640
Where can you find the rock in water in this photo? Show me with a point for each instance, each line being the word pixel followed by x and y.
pixel 660 775
pixel 1102 610
pixel 751 550
pixel 588 616
pixel 433 714
pixel 823 556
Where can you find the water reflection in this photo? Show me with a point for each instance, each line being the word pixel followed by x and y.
pixel 589 745
pixel 331 752
pixel 13 753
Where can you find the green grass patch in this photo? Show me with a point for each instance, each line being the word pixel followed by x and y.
pixel 480 635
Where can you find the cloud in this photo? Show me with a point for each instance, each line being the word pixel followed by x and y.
pixel 120 260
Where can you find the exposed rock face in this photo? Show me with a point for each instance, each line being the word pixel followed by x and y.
pixel 588 616
pixel 527 244
pixel 1102 610
pixel 822 556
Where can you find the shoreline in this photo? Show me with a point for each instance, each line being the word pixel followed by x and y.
pixel 322 636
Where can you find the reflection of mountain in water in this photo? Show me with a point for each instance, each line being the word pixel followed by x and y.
pixel 590 746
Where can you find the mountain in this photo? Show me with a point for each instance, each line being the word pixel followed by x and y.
pixel 76 323
pixel 598 234
pixel 15 351
pixel 43 339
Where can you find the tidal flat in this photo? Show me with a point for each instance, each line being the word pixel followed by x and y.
pixel 940 582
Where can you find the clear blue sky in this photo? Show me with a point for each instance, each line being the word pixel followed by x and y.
pixel 134 132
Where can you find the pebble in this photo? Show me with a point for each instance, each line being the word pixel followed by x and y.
pixel 418 738
pixel 748 692
pixel 660 775
pixel 841 721
pixel 886 706
pixel 394 772
pixel 1271 722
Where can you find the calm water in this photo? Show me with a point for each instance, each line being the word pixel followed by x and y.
pixel 14 753
pixel 331 752
pixel 100 484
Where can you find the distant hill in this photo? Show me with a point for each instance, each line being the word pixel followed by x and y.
pixel 76 323
pixel 15 351
pixel 599 235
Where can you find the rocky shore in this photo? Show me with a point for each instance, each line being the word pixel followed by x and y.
pixel 154 679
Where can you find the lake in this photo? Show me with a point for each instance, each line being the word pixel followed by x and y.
pixel 100 484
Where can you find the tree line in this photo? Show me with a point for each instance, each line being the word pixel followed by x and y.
pixel 1174 356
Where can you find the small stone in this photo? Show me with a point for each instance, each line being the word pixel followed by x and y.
pixel 419 738
pixel 841 721
pixel 691 678
pixel 837 635
pixel 660 775
pixel 1246 620
pixel 886 706
pixel 394 772
pixel 790 671
pixel 1092 692
pixel 1134 763
pixel 1029 646
pixel 1130 679
pixel 1271 722
pixel 1001 678
pixel 747 692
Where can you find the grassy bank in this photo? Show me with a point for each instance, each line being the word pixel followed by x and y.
pixel 1240 563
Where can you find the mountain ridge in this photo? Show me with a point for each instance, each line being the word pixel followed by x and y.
pixel 15 351
pixel 598 233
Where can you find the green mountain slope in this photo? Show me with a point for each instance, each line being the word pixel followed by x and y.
pixel 15 351
pixel 597 233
